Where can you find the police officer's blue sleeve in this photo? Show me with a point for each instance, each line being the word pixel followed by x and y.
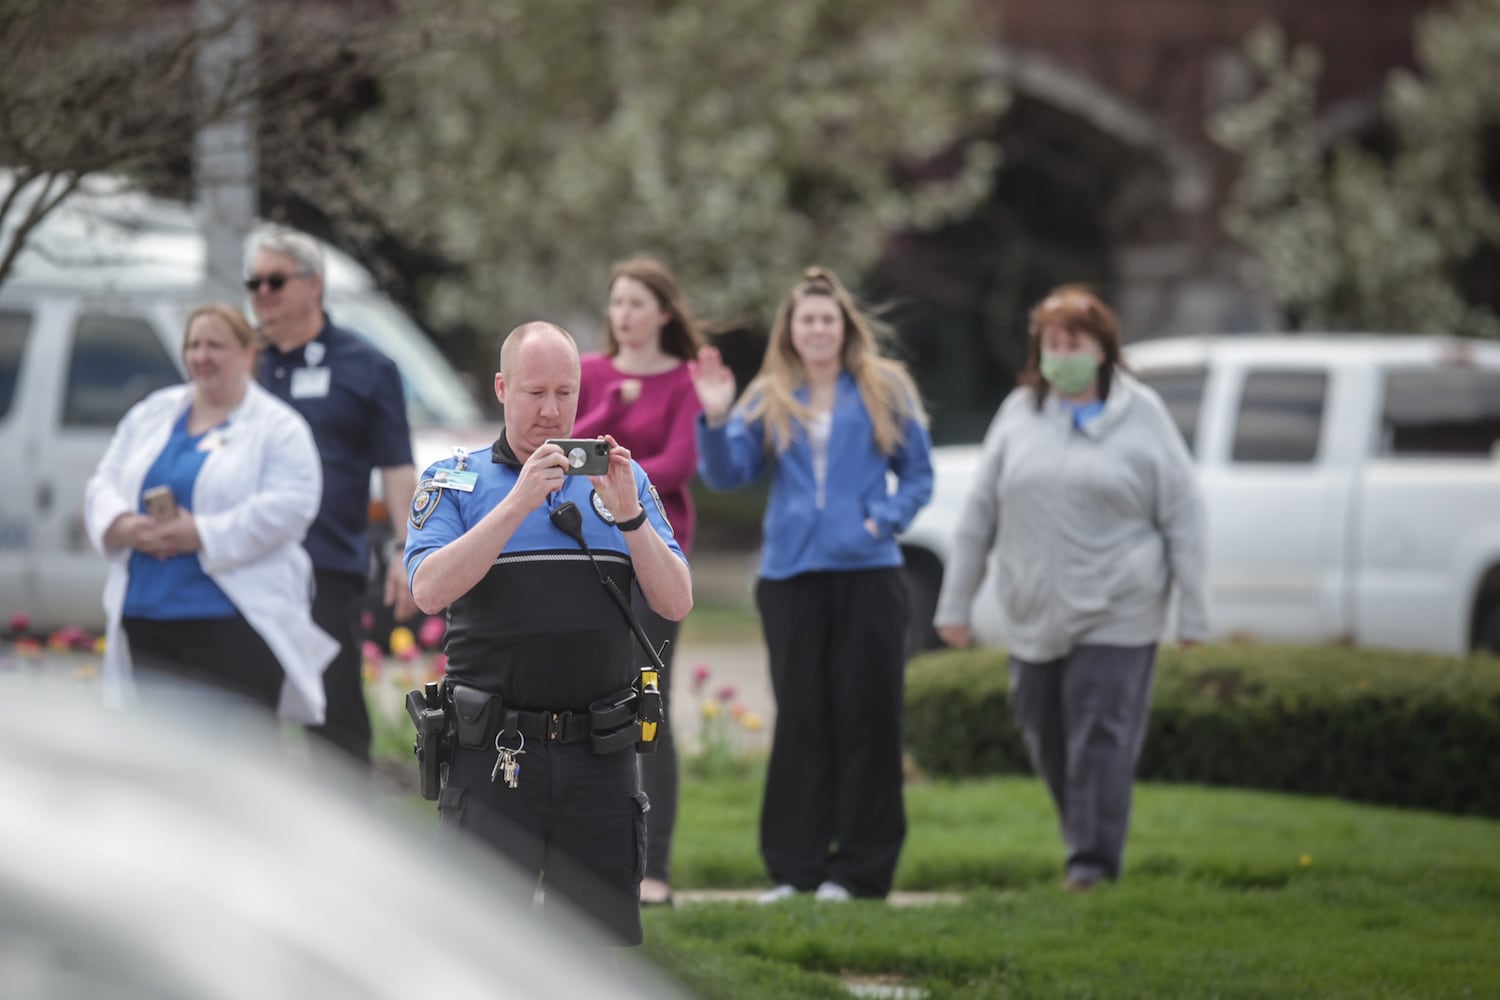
pixel 912 464
pixel 732 455
pixel 436 518
pixel 656 514
pixel 389 435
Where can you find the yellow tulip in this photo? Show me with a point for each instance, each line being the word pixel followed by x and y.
pixel 402 640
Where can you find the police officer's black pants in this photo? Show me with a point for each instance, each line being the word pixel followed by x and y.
pixel 833 808
pixel 335 610
pixel 576 818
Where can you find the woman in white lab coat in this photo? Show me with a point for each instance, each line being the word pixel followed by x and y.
pixel 200 504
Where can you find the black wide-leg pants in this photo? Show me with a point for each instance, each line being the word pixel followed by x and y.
pixel 833 807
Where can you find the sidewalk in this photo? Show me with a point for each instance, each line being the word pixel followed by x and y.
pixel 724 578
pixel 740 667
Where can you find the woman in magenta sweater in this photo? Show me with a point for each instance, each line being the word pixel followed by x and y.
pixel 638 389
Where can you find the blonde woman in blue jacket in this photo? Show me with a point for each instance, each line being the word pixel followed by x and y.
pixel 835 424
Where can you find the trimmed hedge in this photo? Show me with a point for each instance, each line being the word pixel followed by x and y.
pixel 1406 729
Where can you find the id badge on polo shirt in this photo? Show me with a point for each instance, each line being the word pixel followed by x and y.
pixel 462 480
pixel 310 383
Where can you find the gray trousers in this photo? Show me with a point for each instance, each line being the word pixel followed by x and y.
pixel 1084 719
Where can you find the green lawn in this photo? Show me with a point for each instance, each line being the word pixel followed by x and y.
pixel 716 622
pixel 1226 894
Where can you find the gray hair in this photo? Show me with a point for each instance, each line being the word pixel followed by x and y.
pixel 306 251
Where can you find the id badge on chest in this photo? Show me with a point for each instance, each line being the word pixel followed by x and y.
pixel 310 383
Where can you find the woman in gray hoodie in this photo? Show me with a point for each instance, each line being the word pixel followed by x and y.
pixel 1086 508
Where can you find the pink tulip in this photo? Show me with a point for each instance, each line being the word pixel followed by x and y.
pixel 370 652
pixel 440 664
pixel 431 631
pixel 726 693
pixel 700 677
pixel 19 624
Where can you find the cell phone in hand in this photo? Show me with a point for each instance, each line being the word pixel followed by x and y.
pixel 161 505
pixel 586 456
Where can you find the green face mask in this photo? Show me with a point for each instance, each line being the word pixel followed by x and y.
pixel 1070 374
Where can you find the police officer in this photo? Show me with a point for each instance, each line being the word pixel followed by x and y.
pixel 535 638
pixel 351 396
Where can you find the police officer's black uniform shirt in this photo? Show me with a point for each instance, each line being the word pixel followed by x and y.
pixel 539 629
pixel 352 398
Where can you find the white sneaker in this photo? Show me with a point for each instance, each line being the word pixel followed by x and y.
pixel 832 892
pixel 776 895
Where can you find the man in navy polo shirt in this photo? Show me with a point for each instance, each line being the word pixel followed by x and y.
pixel 351 396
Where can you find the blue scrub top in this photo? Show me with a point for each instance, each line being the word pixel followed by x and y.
pixel 176 588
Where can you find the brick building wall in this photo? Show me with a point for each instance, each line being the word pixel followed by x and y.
pixel 1161 55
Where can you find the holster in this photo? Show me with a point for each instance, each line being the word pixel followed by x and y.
pixel 649 710
pixel 433 745
pixel 613 722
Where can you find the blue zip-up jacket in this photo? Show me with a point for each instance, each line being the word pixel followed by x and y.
pixel 802 535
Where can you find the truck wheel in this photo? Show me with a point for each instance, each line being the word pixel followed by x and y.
pixel 924 578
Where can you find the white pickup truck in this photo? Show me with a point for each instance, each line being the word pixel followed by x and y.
pixel 1352 485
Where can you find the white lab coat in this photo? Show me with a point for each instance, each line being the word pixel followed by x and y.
pixel 252 503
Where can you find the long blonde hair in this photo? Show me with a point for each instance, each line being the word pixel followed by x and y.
pixel 889 394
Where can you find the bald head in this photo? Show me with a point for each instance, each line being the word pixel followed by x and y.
pixel 538 385
pixel 510 348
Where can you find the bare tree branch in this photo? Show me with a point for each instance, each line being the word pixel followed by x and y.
pixel 91 86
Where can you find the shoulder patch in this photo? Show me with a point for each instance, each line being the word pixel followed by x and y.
pixel 424 501
pixel 598 504
pixel 662 510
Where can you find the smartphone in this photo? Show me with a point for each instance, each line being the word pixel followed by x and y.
pixel 586 456
pixel 161 505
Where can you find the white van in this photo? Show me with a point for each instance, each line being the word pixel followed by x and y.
pixel 91 320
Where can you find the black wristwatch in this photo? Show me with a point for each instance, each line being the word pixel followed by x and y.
pixel 634 522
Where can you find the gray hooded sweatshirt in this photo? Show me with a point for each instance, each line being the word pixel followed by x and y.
pixel 1086 530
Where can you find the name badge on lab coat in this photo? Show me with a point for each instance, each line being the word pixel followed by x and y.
pixel 309 383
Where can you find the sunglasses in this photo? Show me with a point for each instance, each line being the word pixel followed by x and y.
pixel 274 281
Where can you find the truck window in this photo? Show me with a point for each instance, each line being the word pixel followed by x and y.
pixel 116 362
pixel 13 329
pixel 1182 390
pixel 1441 411
pixel 1280 417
